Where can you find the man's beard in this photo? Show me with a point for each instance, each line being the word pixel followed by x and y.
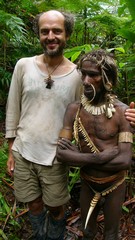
pixel 54 52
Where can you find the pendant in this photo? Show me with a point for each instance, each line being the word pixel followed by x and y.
pixel 49 82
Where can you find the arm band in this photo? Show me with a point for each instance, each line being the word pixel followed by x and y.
pixel 66 133
pixel 125 137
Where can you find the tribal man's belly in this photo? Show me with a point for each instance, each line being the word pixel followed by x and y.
pixel 97 173
pixel 101 180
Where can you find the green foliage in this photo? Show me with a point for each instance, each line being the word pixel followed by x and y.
pixel 74 53
pixel 3 156
pixel 74 176
pixel 4 208
pixel 125 209
pixel 13 29
pixel 5 212
pixel 5 80
pixel 2 234
pixel 126 67
pixel 131 7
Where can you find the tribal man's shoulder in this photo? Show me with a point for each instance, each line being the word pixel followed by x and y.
pixel 120 105
pixel 74 105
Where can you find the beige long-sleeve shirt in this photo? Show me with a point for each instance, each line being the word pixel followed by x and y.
pixel 34 113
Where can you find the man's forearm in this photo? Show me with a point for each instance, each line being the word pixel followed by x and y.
pixel 121 162
pixel 81 159
pixel 10 144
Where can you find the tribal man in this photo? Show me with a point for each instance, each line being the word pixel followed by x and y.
pixel 103 144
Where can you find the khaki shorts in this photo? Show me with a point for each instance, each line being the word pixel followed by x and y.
pixel 32 180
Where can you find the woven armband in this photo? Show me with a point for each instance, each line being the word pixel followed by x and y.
pixel 66 133
pixel 125 137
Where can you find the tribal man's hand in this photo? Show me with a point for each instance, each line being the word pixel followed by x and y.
pixel 67 144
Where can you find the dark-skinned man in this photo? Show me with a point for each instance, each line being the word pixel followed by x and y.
pixel 103 144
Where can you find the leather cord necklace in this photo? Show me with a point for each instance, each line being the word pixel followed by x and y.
pixel 49 81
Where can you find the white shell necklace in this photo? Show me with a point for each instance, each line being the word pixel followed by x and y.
pixel 107 108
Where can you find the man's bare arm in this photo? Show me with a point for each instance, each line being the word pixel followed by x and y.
pixel 121 162
pixel 69 154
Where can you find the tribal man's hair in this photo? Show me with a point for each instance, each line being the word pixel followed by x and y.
pixel 106 63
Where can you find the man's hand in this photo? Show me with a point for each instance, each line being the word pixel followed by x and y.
pixel 67 144
pixel 10 164
pixel 130 114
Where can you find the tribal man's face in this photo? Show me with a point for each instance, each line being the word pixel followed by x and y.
pixel 91 78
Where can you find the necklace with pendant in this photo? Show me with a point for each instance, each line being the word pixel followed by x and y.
pixel 49 81
pixel 107 108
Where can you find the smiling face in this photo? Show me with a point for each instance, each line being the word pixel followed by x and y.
pixel 91 78
pixel 52 33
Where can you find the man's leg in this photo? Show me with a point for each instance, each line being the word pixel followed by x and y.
pixel 85 199
pixel 47 224
pixel 112 212
pixel 27 188
pixel 37 215
pixel 54 184
pixel 55 223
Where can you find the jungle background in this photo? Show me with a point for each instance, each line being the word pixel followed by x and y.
pixel 108 24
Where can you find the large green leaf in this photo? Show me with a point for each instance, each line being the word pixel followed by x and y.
pixel 127 34
pixel 2 234
pixel 75 52
pixel 13 28
pixel 131 7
